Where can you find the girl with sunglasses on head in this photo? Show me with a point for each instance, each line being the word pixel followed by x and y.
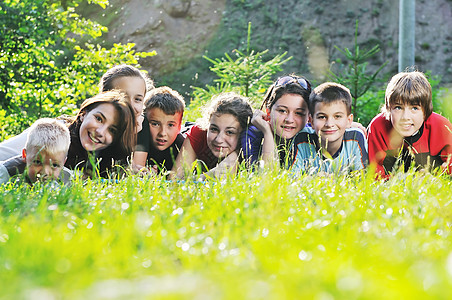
pixel 272 130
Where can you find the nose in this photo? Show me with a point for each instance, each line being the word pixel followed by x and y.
pixel 289 117
pixel 46 171
pixel 219 138
pixel 101 130
pixel 405 113
pixel 162 131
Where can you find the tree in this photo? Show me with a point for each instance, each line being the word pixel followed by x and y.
pixel 355 76
pixel 45 67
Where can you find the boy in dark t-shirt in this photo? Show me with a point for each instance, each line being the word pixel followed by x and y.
pixel 164 109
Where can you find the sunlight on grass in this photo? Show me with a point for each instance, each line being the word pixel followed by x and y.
pixel 260 235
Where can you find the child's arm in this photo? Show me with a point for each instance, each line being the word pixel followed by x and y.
pixel 184 160
pixel 269 152
pixel 377 146
pixel 226 166
pixel 139 161
pixel 142 148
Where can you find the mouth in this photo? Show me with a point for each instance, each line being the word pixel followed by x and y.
pixel 160 142
pixel 93 139
pixel 288 128
pixel 406 126
pixel 328 132
pixel 219 148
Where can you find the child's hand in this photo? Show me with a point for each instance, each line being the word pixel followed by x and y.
pixel 261 120
pixel 359 126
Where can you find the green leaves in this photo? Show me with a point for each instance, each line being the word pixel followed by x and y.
pixel 248 73
pixel 46 68
pixel 354 74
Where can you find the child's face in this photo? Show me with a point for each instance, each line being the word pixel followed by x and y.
pixel 44 166
pixel 223 134
pixel 288 115
pixel 135 89
pixel 406 118
pixel 99 127
pixel 330 121
pixel 164 128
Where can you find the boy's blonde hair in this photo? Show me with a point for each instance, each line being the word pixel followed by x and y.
pixel 410 88
pixel 48 135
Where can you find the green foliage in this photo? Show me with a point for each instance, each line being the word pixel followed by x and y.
pixel 354 75
pixel 45 70
pixel 262 235
pixel 248 74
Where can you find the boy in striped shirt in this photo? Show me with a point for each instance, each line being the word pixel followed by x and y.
pixel 330 145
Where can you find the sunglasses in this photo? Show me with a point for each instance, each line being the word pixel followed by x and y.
pixel 283 81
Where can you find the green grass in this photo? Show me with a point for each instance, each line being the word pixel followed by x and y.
pixel 259 236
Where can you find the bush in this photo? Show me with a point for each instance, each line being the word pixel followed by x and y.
pixel 46 70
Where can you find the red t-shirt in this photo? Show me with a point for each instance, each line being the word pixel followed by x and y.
pixel 431 146
pixel 198 141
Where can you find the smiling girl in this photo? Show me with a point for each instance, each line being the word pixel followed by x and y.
pixel 215 140
pixel 104 121
pixel 286 113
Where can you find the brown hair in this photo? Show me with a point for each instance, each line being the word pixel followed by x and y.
pixel 228 103
pixel 329 92
pixel 119 71
pixel 165 98
pixel 275 92
pixel 410 88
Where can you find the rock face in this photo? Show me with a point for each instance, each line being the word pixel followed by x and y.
pixel 177 29
pixel 181 31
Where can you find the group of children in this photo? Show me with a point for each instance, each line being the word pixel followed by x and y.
pixel 131 123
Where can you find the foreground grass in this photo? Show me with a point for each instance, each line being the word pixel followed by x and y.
pixel 256 236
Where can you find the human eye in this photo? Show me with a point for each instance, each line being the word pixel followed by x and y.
pixel 138 99
pixel 213 129
pixel 55 165
pixel 98 118
pixel 171 125
pixel 282 111
pixel 320 117
pixel 230 132
pixel 301 113
pixel 397 107
pixel 154 123
pixel 37 162
pixel 416 108
pixel 113 130
pixel 338 116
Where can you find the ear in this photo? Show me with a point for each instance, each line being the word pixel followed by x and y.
pixel 350 119
pixel 310 119
pixel 24 154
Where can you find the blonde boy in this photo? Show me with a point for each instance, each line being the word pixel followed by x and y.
pixel 408 132
pixel 164 109
pixel 329 145
pixel 44 154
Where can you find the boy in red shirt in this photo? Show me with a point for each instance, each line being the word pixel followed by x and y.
pixel 408 132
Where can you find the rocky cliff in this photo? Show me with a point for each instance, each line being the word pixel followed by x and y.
pixel 181 31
